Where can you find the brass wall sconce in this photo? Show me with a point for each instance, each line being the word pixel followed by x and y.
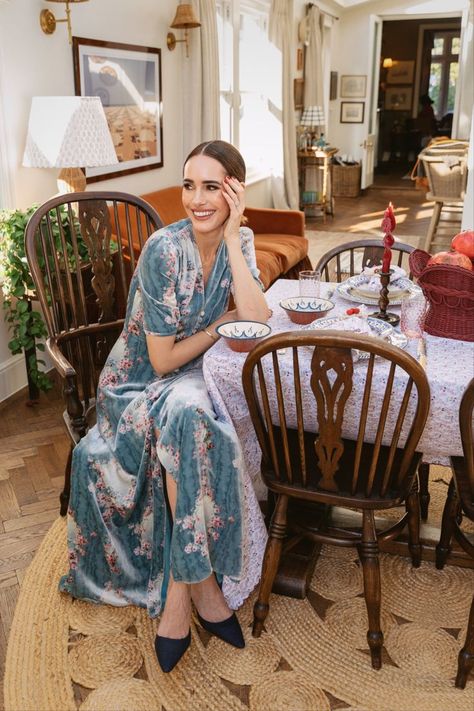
pixel 48 21
pixel 184 19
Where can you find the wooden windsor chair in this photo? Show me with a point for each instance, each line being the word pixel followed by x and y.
pixel 459 502
pixel 349 259
pixel 81 257
pixel 365 472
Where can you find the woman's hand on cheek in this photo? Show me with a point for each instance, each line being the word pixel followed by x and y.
pixel 234 195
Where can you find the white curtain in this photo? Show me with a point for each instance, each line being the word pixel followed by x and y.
pixel 201 118
pixel 281 31
pixel 313 70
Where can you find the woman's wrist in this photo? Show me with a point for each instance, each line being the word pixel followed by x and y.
pixel 212 334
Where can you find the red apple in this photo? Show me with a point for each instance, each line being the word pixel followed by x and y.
pixel 464 243
pixel 454 259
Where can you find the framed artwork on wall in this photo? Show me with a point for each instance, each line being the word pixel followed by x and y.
pixel 401 72
pixel 333 86
pixel 398 98
pixel 298 92
pixel 127 78
pixel 353 86
pixel 352 111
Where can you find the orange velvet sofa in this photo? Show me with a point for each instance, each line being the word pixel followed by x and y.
pixel 280 243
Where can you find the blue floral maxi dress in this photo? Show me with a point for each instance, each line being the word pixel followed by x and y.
pixel 122 541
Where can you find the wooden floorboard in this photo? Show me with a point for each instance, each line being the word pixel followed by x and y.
pixel 34 445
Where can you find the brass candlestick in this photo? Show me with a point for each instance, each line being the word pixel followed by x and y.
pixel 383 314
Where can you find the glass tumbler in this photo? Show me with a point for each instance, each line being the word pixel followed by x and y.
pixel 412 317
pixel 310 281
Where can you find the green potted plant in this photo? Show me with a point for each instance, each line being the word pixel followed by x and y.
pixel 25 324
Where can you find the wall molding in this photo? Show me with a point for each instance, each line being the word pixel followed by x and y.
pixel 12 376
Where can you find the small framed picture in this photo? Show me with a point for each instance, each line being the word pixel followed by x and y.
pixel 401 72
pixel 398 98
pixel 333 87
pixel 298 92
pixel 352 111
pixel 353 86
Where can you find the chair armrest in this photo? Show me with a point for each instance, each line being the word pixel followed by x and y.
pixel 60 362
pixel 263 220
pixel 74 406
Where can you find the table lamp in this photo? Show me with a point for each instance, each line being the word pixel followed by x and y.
pixel 312 117
pixel 71 133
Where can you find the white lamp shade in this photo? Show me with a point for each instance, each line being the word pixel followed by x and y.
pixel 68 132
pixel 312 116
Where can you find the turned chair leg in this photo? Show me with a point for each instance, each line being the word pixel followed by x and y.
pixel 466 655
pixel 65 493
pixel 369 557
pixel 271 559
pixel 423 478
pixel 413 510
pixel 451 512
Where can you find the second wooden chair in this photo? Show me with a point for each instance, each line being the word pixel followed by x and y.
pixel 364 460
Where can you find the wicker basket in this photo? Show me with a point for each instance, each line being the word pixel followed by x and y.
pixel 446 170
pixel 346 180
pixel 449 291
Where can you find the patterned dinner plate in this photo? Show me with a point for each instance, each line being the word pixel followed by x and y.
pixel 378 328
pixel 349 290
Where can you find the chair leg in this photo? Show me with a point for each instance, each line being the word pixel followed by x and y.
pixel 65 493
pixel 271 559
pixel 423 478
pixel 413 510
pixel 451 511
pixel 466 655
pixel 369 557
pixel 433 225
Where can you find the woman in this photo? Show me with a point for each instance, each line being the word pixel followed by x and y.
pixel 156 500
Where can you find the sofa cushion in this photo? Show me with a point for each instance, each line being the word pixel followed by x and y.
pixel 269 265
pixel 288 250
pixel 167 202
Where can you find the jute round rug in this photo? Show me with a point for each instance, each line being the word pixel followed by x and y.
pixel 65 655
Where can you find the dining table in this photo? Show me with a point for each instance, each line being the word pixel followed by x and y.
pixel 449 366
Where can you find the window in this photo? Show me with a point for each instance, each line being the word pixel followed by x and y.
pixel 444 71
pixel 250 78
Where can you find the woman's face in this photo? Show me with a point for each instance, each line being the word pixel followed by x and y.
pixel 202 194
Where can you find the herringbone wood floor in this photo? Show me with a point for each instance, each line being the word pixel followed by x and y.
pixel 33 453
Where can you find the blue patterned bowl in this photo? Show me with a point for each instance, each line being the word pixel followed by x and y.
pixel 242 336
pixel 305 309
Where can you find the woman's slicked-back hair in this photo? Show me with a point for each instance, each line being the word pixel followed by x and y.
pixel 228 156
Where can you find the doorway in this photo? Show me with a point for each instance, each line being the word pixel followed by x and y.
pixel 418 73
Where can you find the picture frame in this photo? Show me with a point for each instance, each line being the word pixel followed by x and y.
pixel 401 72
pixel 398 98
pixel 352 111
pixel 353 86
pixel 298 93
pixel 127 78
pixel 333 86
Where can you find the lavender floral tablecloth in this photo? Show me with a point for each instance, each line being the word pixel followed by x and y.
pixel 449 367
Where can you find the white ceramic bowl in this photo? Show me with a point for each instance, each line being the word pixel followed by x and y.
pixel 305 309
pixel 242 336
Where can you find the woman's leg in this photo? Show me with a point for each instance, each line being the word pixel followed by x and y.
pixel 176 617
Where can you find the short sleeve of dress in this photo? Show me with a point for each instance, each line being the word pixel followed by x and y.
pixel 248 250
pixel 157 277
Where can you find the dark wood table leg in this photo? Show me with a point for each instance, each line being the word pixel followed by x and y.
pixel 299 555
